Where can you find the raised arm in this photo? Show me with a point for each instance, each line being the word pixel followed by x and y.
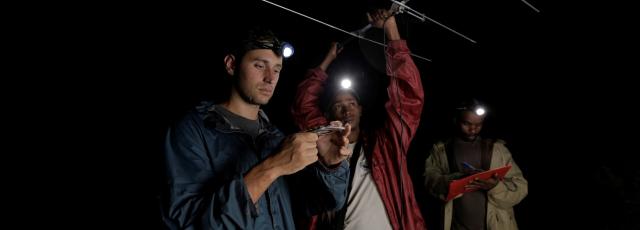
pixel 306 107
pixel 406 95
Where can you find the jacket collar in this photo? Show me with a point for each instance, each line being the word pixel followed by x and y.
pixel 214 118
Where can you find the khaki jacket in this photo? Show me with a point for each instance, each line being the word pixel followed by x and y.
pixel 501 198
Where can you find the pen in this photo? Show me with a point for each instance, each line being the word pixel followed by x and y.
pixel 469 166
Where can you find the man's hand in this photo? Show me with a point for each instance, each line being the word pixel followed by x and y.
pixel 333 51
pixel 333 148
pixel 298 151
pixel 381 18
pixel 483 184
pixel 332 54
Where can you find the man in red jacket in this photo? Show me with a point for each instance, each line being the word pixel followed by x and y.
pixel 380 189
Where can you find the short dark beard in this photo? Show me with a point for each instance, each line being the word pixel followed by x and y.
pixel 248 99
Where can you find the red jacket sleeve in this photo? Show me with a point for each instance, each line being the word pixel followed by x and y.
pixel 306 107
pixel 406 95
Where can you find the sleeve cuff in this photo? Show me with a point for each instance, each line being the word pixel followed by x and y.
pixel 336 169
pixel 500 187
pixel 247 205
pixel 396 46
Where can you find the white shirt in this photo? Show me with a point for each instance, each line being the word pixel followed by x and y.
pixel 365 209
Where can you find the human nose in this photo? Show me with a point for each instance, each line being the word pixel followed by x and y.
pixel 346 110
pixel 270 75
pixel 474 129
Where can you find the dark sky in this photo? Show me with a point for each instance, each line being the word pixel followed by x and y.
pixel 557 83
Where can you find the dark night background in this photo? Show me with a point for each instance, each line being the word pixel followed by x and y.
pixel 558 85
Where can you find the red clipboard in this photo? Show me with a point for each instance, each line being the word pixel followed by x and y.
pixel 456 187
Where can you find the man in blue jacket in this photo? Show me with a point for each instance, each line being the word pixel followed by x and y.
pixel 226 162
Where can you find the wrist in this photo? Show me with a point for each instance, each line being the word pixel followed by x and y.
pixel 391 30
pixel 270 170
pixel 325 63
pixel 329 165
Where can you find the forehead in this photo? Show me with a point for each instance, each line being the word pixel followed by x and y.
pixel 265 55
pixel 471 117
pixel 344 96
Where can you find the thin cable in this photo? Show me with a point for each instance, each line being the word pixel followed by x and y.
pixel 423 17
pixel 532 7
pixel 341 30
pixel 324 23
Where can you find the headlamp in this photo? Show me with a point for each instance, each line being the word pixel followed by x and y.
pixel 283 49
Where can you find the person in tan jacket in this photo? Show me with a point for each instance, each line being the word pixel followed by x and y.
pixel 491 205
